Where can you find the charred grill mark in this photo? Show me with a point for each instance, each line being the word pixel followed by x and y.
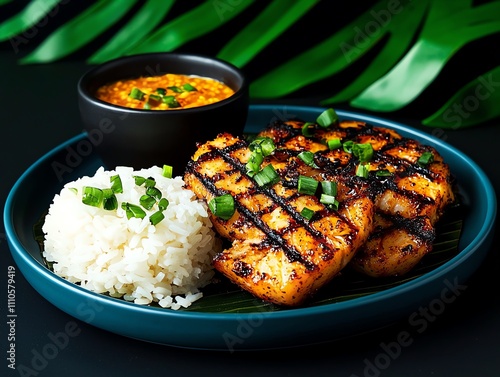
pixel 417 226
pixel 276 238
pixel 375 185
pixel 342 168
pixel 410 168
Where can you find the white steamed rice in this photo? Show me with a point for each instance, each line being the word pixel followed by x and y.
pixel 105 252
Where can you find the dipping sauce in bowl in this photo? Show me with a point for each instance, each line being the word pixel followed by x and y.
pixel 139 137
pixel 166 92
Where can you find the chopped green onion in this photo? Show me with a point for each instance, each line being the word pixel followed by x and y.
pixel 329 201
pixel 147 106
pixel 92 196
pixel 163 204
pixel 161 91
pixel 362 170
pixel 222 206
pixel 267 176
pixel 147 201
pixel 327 118
pixel 153 192
pixel 307 213
pixel 139 180
pixel 253 164
pixel 133 210
pixel 171 101
pixel 136 93
pixel 74 190
pixel 307 185
pixel 167 171
pixel 260 148
pixel 109 201
pixel 154 98
pixel 156 217
pixel 263 145
pixel 150 182
pixel 348 146
pixel 329 188
pixel 175 89
pixel 425 158
pixel 306 129
pixel 308 158
pixel 189 88
pixel 363 151
pixel 334 144
pixel 383 173
pixel 116 184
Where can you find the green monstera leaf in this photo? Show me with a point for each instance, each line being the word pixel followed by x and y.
pixel 402 46
pixel 475 102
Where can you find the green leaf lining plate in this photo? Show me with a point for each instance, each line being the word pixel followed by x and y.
pixel 228 319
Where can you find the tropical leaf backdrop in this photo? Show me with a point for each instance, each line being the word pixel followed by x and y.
pixel 434 60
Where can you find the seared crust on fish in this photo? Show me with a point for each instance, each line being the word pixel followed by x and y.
pixel 383 225
pixel 409 198
pixel 277 254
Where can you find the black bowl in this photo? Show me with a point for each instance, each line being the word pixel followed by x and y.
pixel 143 138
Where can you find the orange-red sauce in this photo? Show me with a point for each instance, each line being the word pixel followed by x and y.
pixel 167 92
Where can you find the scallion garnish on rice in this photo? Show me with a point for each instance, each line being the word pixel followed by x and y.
pixel 139 180
pixel 167 171
pixel 92 196
pixel 106 198
pixel 163 204
pixel 147 201
pixel 116 184
pixel 132 210
pixel 156 217
pixel 109 201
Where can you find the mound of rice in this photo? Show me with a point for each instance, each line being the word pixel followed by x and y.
pixel 105 252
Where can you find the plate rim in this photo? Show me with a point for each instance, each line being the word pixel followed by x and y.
pixel 14 242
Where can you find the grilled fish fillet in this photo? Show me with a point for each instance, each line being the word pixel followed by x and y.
pixel 277 254
pixel 383 226
pixel 409 199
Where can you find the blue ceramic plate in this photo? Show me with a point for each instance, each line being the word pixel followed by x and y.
pixel 28 201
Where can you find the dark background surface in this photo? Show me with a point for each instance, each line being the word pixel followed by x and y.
pixel 39 112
